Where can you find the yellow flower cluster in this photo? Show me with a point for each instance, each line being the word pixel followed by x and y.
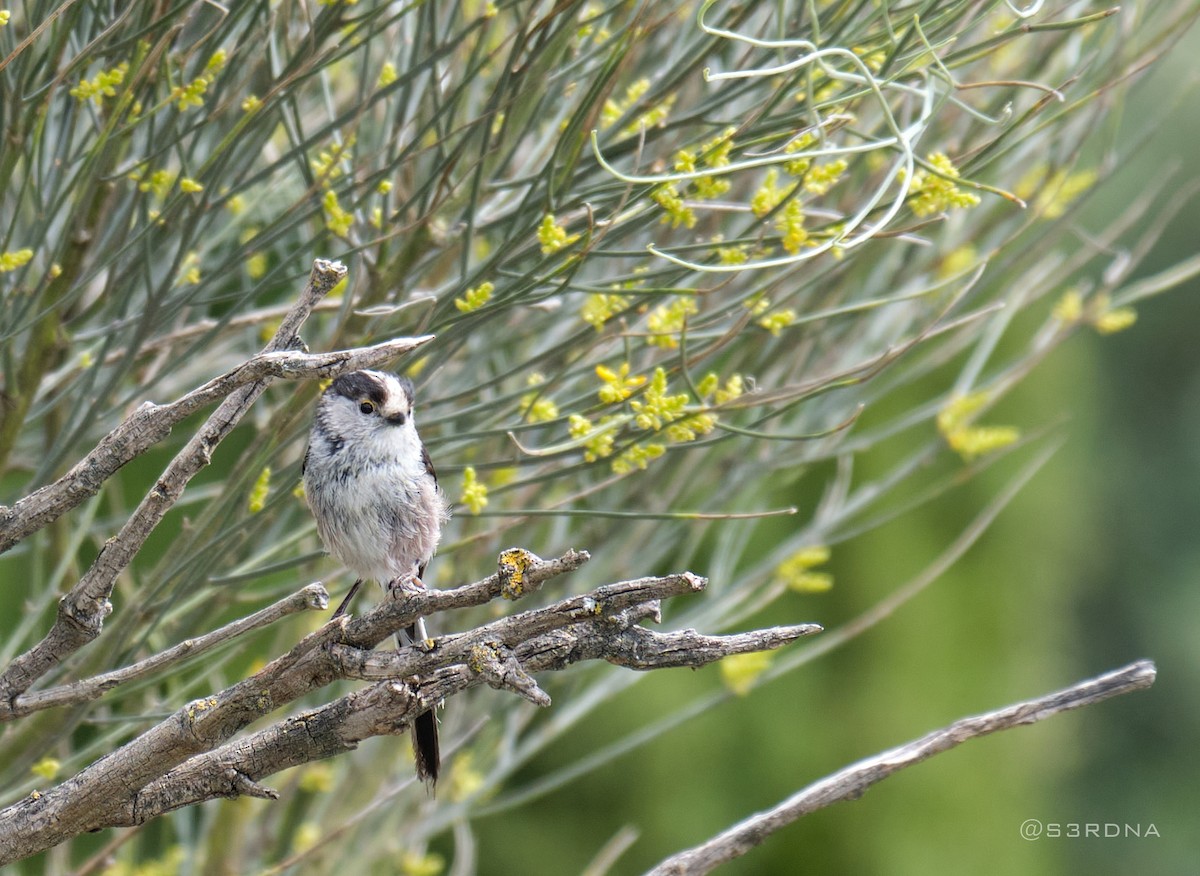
pixel 192 94
pixel 932 192
pixel 537 407
pixel 656 407
pixel 796 572
pixel 1098 312
pixel 337 219
pixel 618 385
pixel 553 236
pixel 103 85
pixel 387 75
pixel 326 165
pixel 258 493
pixel 475 298
pixel 769 195
pixel 597 437
pixel 474 492
pixel 614 109
pixel 637 457
pixel 599 307
pixel 678 212
pixel 823 177
pixel 955 423
pixel 790 223
pixel 740 672
pixel 19 258
pixel 666 322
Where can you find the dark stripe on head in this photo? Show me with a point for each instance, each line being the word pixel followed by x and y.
pixel 409 390
pixel 359 384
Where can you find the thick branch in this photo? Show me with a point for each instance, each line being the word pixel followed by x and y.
pixel 82 611
pixel 193 756
pixel 388 707
pixel 852 782
pixel 309 598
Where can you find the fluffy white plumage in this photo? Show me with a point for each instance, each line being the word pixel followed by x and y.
pixel 369 481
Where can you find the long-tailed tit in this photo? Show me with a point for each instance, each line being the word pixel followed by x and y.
pixel 375 497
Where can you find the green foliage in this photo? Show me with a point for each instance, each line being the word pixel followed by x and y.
pixel 661 297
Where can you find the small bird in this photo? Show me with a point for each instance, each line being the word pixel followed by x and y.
pixel 375 496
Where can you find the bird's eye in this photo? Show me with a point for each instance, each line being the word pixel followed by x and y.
pixel 367 407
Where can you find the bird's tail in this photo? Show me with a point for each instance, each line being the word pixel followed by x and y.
pixel 425 728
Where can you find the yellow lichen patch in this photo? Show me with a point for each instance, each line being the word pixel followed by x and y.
pixel 513 565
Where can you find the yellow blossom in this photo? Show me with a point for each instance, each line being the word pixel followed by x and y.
pixel 384 187
pixel 932 192
pixel 769 195
pixel 537 407
pixel 1107 319
pixel 678 213
pixel 10 261
pixel 597 439
pixel 955 423
pixel 776 322
pixel 618 385
pixel 251 103
pixel 475 298
pixel 790 223
pixel 47 768
pixel 191 94
pixel 821 178
pixel 387 75
pixel 666 322
pixel 553 236
pixel 799 166
pixel 190 186
pixel 258 493
pixel 337 220
pixel 740 672
pixel 637 457
pixel 4 17
pixel 796 572
pixel 256 265
pixel 465 779
pixel 316 778
pixel 657 407
pixel 421 864
pixel 615 108
pixel 599 307
pixel 734 387
pixel 1069 308
pixel 474 492
pixel 103 85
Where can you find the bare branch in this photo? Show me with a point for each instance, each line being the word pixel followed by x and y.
pixel 82 611
pixel 193 755
pixel 853 781
pixel 309 598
